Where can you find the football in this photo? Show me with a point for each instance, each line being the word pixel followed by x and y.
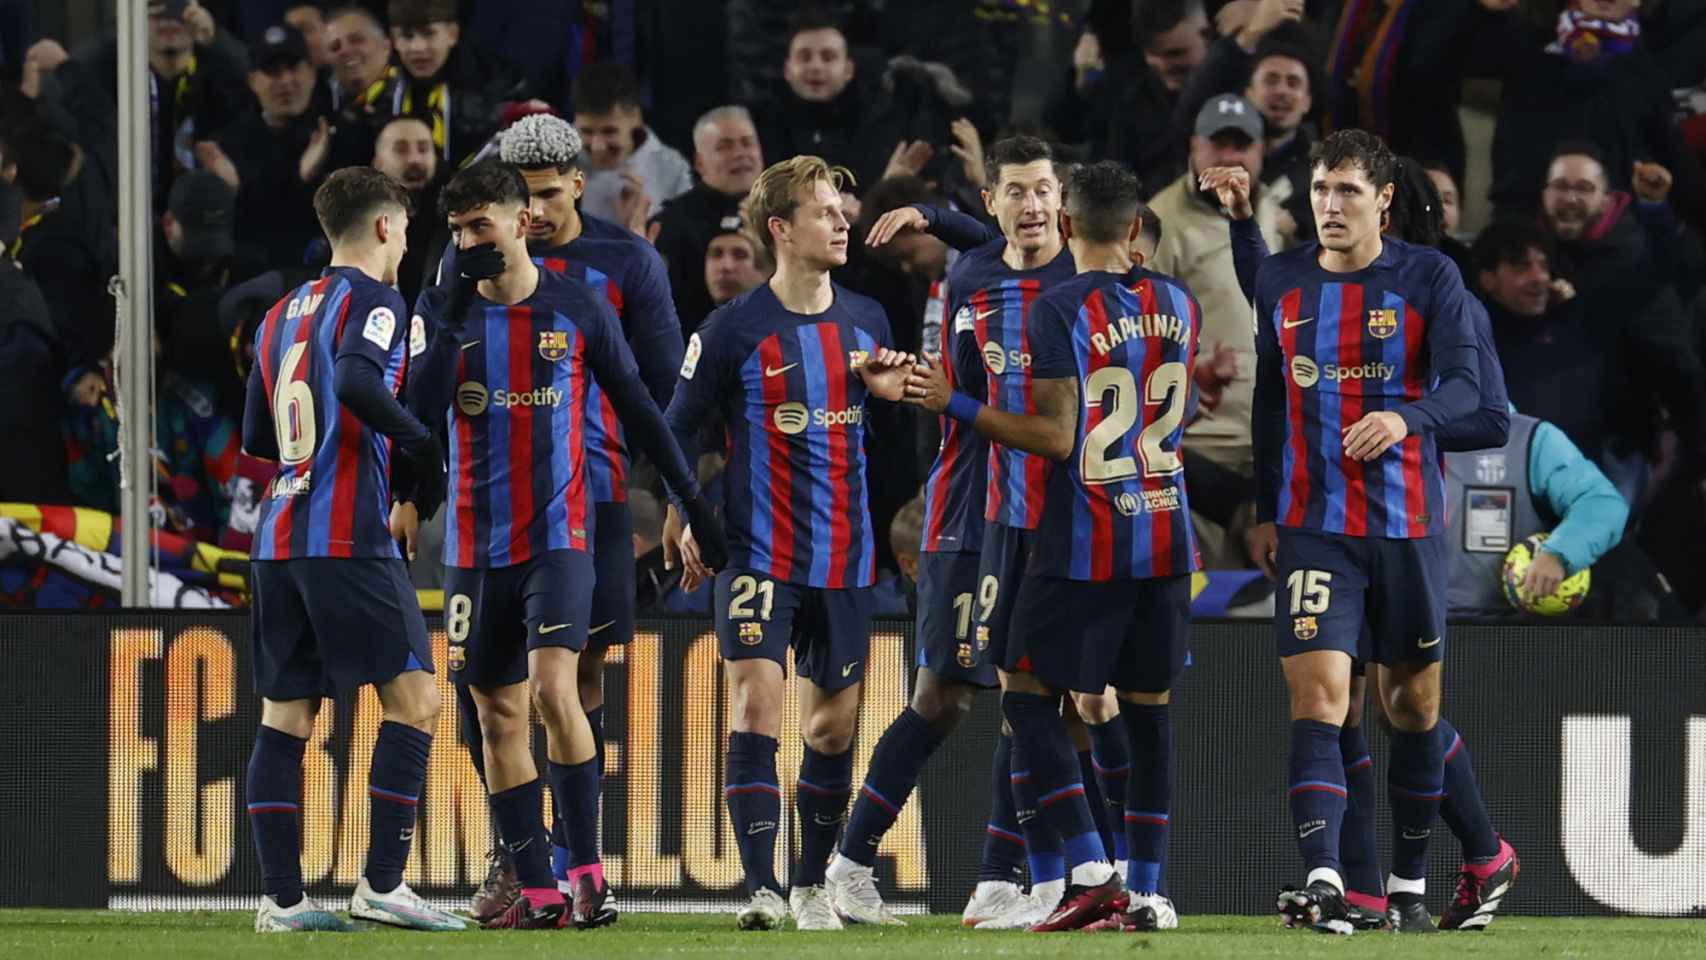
pixel 1567 597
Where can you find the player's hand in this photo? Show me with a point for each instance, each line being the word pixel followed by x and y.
pixel 885 373
pixel 892 223
pixel 1261 545
pixel 426 468
pixel 314 158
pixel 693 571
pixel 1652 181
pixel 672 530
pixel 1544 574
pixel 927 386
pixel 481 262
pixel 1374 434
pixel 968 147
pixel 710 548
pixel 908 159
pixel 405 524
pixel 1231 186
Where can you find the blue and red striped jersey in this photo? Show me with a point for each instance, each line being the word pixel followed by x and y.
pixel 517 421
pixel 953 490
pixel 992 355
pixel 627 272
pixel 1343 345
pixel 331 496
pixel 788 388
pixel 1116 509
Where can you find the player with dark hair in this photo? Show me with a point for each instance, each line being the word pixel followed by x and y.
pixel 1106 594
pixel 971 564
pixel 518 346
pixel 1367 347
pixel 1490 865
pixel 333 609
pixel 790 366
pixel 628 273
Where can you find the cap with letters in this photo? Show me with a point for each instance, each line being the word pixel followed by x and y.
pixel 1229 111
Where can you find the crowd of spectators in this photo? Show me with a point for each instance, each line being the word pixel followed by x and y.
pixel 1591 263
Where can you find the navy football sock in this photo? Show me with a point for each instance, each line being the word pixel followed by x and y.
pixel 1036 724
pixel 274 795
pixel 1093 800
pixel 893 772
pixel 1415 782
pixel 1357 845
pixel 595 720
pixel 521 823
pixel 1110 759
pixel 559 837
pixel 1462 809
pixel 825 784
pixel 1149 797
pixel 1042 843
pixel 575 787
pixel 1317 793
pixel 393 796
pixel 1003 845
pixel 755 806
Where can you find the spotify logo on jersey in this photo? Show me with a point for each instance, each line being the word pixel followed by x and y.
pixel 791 418
pixel 1304 372
pixel 471 398
pixel 999 359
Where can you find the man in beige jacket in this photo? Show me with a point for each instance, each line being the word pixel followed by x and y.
pixel 1196 247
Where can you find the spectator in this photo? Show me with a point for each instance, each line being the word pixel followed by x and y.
pixel 309 19
pixel 1197 249
pixel 269 145
pixel 822 111
pixel 1621 365
pixel 1598 243
pixel 451 86
pixel 360 55
pixel 30 400
pixel 1451 217
pixel 1123 109
pixel 630 172
pixel 69 252
pixel 727 157
pixel 199 226
pixel 734 263
pixel 407 154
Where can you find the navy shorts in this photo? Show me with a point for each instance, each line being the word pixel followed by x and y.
pixel 494 616
pixel 324 626
pixel 613 593
pixel 828 629
pixel 948 639
pixel 1084 635
pixel 1331 587
pixel 1006 553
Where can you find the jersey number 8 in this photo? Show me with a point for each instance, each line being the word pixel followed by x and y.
pixel 293 408
pixel 1166 388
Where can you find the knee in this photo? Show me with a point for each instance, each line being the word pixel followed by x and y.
pixel 1096 709
pixel 503 720
pixel 415 701
pixel 1320 702
pixel 1413 710
pixel 829 732
pixel 943 706
pixel 557 698
pixel 756 707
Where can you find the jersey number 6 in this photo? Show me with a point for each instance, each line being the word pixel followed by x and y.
pixel 293 408
pixel 1166 388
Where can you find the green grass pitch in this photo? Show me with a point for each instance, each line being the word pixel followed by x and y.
pixel 34 934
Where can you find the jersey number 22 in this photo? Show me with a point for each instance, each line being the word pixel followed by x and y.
pixel 1165 388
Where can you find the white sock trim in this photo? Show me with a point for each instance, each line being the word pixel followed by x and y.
pixel 1397 884
pixel 1328 874
pixel 1092 873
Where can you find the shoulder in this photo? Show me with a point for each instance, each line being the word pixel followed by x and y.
pixel 862 310
pixel 377 307
pixel 1284 267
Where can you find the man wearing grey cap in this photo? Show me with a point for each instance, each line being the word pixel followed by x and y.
pixel 1196 247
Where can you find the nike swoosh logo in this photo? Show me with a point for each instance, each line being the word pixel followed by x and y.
pixel 600 627
pixel 847 671
pixel 986 314
pixel 471 343
pixel 778 371
pixel 1431 643
pixel 1315 829
pixel 1288 324
pixel 543 629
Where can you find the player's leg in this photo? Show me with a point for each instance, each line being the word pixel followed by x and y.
pixel 1105 763
pixel 499 887
pixel 289 677
pixel 1318 635
pixel 556 592
pixel 1490 865
pixel 1407 621
pixel 949 676
pixel 754 618
pixel 1001 869
pixel 1060 641
pixel 1365 888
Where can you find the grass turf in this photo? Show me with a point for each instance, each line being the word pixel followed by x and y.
pixel 225 935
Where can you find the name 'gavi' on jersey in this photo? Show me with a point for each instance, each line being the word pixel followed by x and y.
pixel 1117 509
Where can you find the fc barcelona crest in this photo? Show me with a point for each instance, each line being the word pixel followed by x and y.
pixel 856 359
pixel 1382 323
pixel 553 344
pixel 1304 628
